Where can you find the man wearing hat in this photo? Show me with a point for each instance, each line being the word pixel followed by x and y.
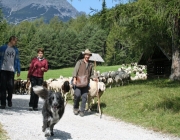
pixel 83 68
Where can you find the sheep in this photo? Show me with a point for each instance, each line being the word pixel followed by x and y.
pixel 112 74
pixel 118 80
pixel 96 90
pixel 110 82
pixel 60 85
pixel 55 85
pixel 123 65
pixel 102 79
pixel 123 77
pixel 139 76
pixel 102 88
pixel 105 74
pixel 23 89
pixel 127 77
pixel 61 77
pixel 17 86
pixel 134 78
pixel 98 74
pixel 28 87
pixel 49 81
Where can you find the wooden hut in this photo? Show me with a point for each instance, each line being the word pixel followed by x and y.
pixel 158 62
pixel 94 58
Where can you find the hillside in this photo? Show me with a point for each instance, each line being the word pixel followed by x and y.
pixel 16 11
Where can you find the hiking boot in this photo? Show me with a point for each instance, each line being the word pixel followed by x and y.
pixel 2 107
pixel 76 111
pixel 81 114
pixel 10 104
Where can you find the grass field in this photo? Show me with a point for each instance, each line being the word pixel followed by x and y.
pixel 67 72
pixel 154 104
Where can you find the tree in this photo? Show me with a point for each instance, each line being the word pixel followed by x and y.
pixel 3 29
pixel 91 37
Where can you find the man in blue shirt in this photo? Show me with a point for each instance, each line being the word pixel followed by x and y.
pixel 9 65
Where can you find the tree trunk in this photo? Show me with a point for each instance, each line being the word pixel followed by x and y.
pixel 175 68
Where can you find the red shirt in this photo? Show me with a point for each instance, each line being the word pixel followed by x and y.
pixel 35 67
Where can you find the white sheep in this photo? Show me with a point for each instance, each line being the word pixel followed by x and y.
pixel 96 90
pixel 110 82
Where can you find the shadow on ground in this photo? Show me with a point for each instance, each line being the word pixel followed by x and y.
pixel 94 108
pixel 60 135
pixel 22 106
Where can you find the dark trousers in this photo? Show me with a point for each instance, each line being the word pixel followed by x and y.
pixel 34 98
pixel 7 84
pixel 80 93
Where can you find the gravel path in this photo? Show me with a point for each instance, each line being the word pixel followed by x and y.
pixel 22 124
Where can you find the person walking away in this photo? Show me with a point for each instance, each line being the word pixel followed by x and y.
pixel 38 66
pixel 9 65
pixel 82 68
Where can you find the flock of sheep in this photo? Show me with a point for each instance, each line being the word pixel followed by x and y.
pixel 106 79
pixel 123 75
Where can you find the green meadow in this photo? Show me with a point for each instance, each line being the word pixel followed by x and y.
pixel 67 72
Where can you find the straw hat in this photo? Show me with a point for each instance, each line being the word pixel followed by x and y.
pixel 87 51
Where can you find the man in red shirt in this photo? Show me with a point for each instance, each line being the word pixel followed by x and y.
pixel 38 66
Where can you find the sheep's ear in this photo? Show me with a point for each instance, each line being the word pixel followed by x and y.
pixel 41 91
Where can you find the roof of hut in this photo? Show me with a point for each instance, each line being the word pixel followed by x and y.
pixel 157 53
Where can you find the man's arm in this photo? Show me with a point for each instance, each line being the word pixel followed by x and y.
pixel 18 63
pixel 1 54
pixel 76 69
pixel 75 72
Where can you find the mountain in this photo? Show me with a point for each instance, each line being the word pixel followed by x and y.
pixel 16 11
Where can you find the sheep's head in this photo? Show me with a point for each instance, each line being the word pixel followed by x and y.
pixel 101 86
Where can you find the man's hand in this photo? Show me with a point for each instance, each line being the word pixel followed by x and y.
pixel 42 68
pixel 74 81
pixel 18 74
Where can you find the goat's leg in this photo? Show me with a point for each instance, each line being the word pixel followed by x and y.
pixel 65 97
pixel 89 101
pixel 99 108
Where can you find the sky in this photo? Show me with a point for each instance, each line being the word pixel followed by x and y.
pixel 85 5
